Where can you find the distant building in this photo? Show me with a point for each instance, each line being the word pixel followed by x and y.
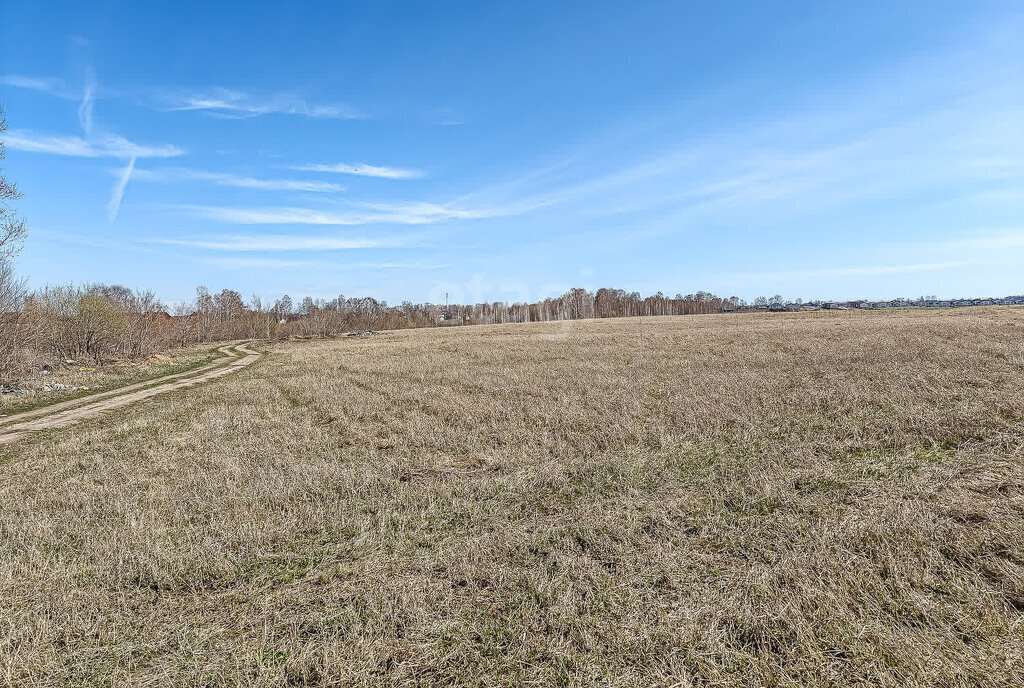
pixel 1016 300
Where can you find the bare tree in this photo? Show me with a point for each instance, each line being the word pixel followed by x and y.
pixel 229 304
pixel 260 320
pixel 16 337
pixel 12 229
pixel 283 307
pixel 12 289
pixel 204 312
pixel 185 324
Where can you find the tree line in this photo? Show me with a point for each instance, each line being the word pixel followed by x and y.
pixel 100 322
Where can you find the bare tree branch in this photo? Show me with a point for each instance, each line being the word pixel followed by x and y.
pixel 12 229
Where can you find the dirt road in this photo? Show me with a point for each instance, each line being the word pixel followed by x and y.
pixel 65 413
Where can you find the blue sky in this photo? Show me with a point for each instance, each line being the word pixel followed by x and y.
pixel 507 151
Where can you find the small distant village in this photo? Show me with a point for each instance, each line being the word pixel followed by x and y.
pixel 922 302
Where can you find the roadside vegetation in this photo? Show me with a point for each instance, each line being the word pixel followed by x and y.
pixel 802 499
pixel 74 379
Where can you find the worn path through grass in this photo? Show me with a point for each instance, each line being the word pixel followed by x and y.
pixel 73 410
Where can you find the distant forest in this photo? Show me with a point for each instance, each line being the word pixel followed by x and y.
pixel 100 322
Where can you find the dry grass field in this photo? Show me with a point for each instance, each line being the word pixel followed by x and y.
pixel 815 499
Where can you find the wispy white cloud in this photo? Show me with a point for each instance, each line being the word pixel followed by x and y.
pixel 179 174
pixel 402 266
pixel 407 214
pixel 223 102
pixel 363 170
pixel 977 248
pixel 52 86
pixel 76 238
pixel 85 109
pixel 117 195
pixel 445 117
pixel 997 240
pixel 860 270
pixel 917 138
pixel 247 262
pixel 284 242
pixel 106 146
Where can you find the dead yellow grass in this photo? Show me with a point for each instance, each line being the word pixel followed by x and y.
pixel 796 499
